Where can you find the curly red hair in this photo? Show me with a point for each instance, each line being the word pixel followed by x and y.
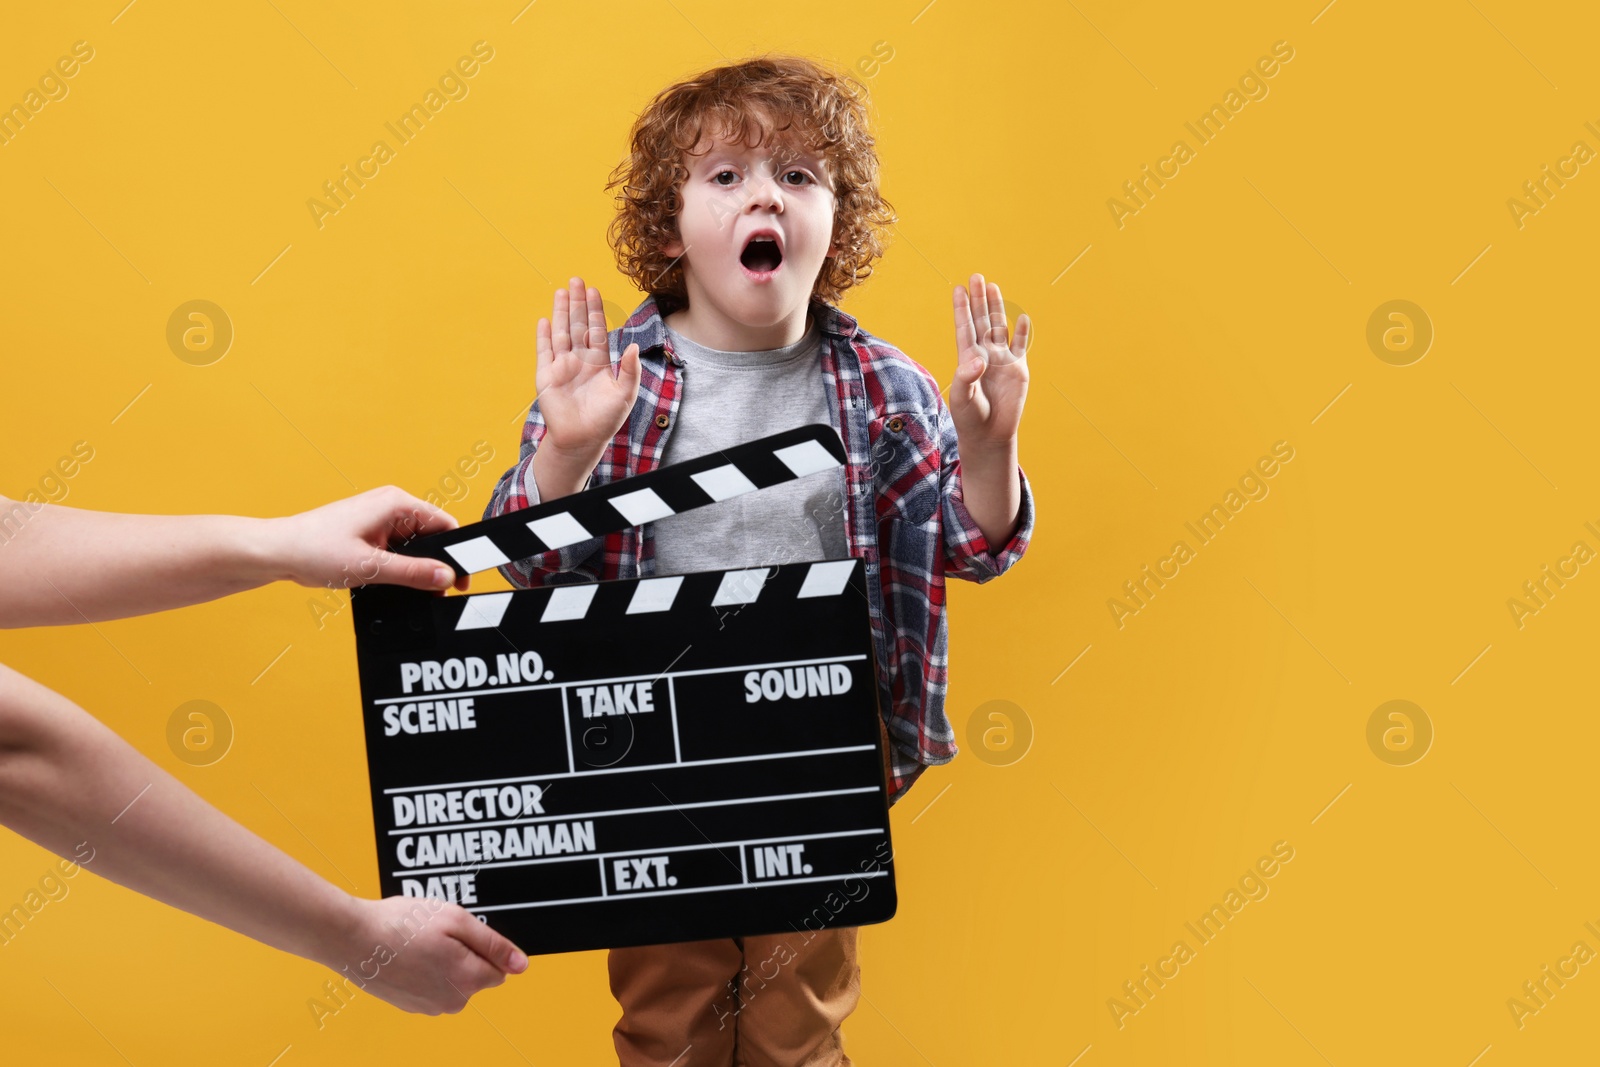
pixel 754 102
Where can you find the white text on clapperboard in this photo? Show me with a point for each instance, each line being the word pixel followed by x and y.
pixel 457 844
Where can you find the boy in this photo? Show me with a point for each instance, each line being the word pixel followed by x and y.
pixel 749 206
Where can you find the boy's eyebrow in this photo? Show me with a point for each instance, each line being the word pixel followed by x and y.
pixel 786 154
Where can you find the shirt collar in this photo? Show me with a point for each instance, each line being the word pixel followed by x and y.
pixel 646 329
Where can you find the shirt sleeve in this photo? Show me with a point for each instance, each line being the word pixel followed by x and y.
pixel 516 490
pixel 967 553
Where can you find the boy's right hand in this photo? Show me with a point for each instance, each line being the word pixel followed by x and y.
pixel 583 404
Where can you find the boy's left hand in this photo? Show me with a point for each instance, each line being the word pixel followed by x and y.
pixel 991 379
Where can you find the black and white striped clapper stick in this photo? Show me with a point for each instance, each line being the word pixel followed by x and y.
pixel 598 764
pixel 654 495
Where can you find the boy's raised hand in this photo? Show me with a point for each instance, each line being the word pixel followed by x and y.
pixel 583 404
pixel 991 379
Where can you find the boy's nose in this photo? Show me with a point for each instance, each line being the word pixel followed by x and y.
pixel 764 192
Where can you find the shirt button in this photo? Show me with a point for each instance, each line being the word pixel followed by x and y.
pixel 662 420
pixel 897 424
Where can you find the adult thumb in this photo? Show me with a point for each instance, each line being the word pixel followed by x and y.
pixel 492 946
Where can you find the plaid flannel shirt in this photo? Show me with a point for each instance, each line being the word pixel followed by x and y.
pixel 905 516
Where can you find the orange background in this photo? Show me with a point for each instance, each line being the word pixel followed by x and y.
pixel 1167 755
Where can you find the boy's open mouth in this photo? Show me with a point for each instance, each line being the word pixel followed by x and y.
pixel 761 254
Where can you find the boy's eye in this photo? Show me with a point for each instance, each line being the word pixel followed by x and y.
pixel 732 174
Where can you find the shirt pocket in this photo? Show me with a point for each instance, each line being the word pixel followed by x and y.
pixel 904 459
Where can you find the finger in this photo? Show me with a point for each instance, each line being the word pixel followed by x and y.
pixel 1024 336
pixel 544 358
pixel 463 583
pixel 413 571
pixel 463 985
pixel 968 371
pixel 561 324
pixel 578 313
pixel 971 357
pixel 628 370
pixel 997 315
pixel 597 319
pixel 964 328
pixel 599 351
pixel 980 304
pixel 474 975
pixel 413 518
pixel 493 946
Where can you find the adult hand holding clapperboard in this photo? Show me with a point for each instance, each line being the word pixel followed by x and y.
pixel 70 784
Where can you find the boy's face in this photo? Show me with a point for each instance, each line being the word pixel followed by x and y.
pixel 734 192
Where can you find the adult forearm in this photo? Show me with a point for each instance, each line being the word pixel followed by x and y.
pixel 992 490
pixel 71 785
pixel 65 565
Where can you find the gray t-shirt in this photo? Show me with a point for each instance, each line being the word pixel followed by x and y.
pixel 729 398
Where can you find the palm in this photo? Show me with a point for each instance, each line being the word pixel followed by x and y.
pixel 583 403
pixel 991 380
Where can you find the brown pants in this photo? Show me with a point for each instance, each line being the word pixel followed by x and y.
pixel 770 1001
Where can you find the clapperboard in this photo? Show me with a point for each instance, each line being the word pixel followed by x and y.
pixel 600 764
